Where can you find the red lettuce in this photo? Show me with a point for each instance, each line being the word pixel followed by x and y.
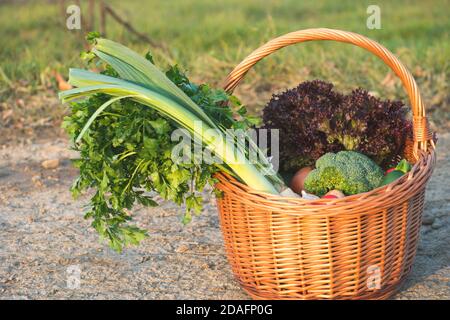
pixel 313 119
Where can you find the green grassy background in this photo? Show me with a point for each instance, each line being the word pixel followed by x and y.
pixel 208 38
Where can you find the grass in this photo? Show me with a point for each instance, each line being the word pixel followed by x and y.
pixel 208 38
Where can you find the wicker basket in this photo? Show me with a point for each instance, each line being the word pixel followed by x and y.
pixel 357 247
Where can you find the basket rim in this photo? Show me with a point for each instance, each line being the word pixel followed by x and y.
pixel 405 187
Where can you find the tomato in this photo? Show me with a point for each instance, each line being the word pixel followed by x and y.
pixel 389 171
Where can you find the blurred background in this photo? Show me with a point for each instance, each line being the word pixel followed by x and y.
pixel 207 39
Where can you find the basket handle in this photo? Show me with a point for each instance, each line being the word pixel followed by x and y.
pixel 422 136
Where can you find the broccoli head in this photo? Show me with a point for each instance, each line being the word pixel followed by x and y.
pixel 348 171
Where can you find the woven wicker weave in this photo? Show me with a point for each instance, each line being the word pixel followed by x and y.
pixel 287 248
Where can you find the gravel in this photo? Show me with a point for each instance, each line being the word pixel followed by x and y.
pixel 45 243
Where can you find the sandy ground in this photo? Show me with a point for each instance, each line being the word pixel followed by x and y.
pixel 44 241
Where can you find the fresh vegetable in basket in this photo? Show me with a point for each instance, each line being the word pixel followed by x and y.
pixel 314 119
pixel 348 171
pixel 395 173
pixel 297 183
pixel 123 133
pixel 334 194
pixel 403 166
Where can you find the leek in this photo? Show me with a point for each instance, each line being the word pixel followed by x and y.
pixel 142 82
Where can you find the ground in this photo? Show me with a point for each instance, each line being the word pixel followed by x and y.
pixel 43 236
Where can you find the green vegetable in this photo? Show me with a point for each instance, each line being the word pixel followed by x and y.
pixel 125 140
pixel 403 166
pixel 348 171
pixel 391 177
